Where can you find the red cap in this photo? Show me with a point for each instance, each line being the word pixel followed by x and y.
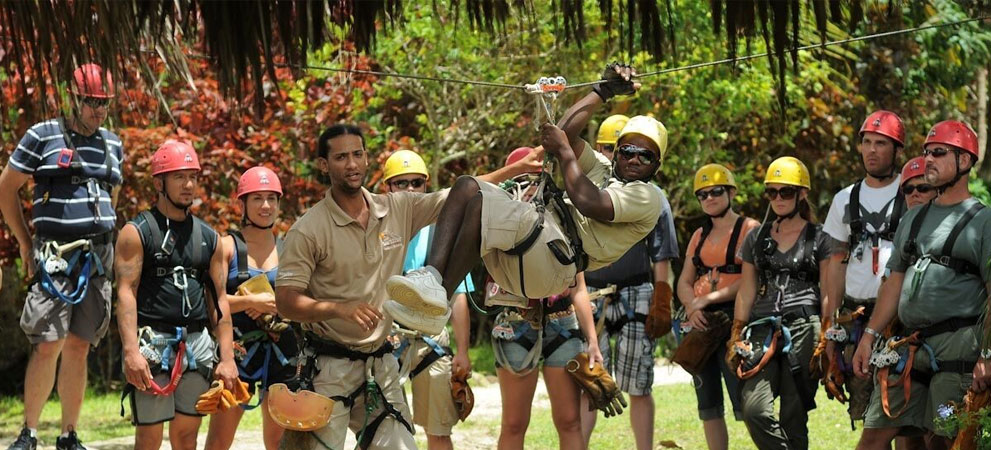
pixel 174 155
pixel 885 123
pixel 955 133
pixel 915 167
pixel 90 80
pixel 258 179
pixel 517 155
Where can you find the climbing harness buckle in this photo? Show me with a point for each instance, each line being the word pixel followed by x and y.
pixel 52 252
pixel 181 282
pixel 886 355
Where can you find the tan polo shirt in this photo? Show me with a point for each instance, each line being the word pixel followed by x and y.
pixel 331 258
pixel 636 207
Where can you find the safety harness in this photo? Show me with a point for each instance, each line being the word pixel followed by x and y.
pixel 769 273
pixel 889 356
pixel 68 160
pixel 512 328
pixel 164 355
pixel 730 266
pixel 859 233
pixel 373 395
pixel 83 262
pixel 255 343
pixel 776 344
pixel 945 256
pixel 437 352
pixel 614 327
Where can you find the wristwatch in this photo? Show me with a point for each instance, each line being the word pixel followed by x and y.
pixel 872 332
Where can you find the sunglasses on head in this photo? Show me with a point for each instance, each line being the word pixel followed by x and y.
pixel 630 151
pixel 405 184
pixel 717 191
pixel 94 102
pixel 786 193
pixel 936 152
pixel 908 189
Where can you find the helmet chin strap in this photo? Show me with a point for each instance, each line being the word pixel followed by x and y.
pixel 184 209
pixel 247 222
pixel 725 210
pixel 892 170
pixel 785 217
pixel 960 173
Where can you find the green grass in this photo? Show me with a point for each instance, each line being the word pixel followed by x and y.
pixel 676 420
pixel 100 418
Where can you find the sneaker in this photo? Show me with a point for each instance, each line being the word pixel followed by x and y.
pixel 24 441
pixel 416 321
pixel 419 290
pixel 70 442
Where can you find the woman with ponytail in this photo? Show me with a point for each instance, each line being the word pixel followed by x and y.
pixel 776 320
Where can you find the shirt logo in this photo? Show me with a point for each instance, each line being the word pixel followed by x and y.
pixel 390 241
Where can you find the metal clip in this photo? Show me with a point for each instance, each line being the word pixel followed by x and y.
pixel 836 334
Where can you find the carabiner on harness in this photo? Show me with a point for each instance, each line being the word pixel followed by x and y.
pixel 546 90
pixel 181 282
pixel 52 261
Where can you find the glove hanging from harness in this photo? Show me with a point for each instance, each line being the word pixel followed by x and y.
pixel 658 322
pixel 219 399
pixel 698 345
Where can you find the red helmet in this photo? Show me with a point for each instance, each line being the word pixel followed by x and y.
pixel 90 80
pixel 258 179
pixel 518 154
pixel 955 133
pixel 885 123
pixel 915 167
pixel 174 155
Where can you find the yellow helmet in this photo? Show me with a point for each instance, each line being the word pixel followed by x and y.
pixel 649 128
pixel 404 162
pixel 713 175
pixel 610 128
pixel 788 170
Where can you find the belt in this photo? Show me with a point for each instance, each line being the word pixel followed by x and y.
pixel 162 326
pixel 794 313
pixel 97 239
pixel 326 347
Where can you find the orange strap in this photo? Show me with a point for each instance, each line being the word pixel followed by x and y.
pixel 771 350
pixel 833 381
pixel 905 378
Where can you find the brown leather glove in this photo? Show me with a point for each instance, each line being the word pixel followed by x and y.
pixel 659 319
pixel 218 399
pixel 735 335
pixel 819 363
pixel 464 399
pixel 601 388
pixel 698 345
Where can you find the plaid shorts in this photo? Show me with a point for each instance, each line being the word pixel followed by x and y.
pixel 631 360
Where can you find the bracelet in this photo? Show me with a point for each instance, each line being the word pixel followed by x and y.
pixel 872 332
pixel 986 354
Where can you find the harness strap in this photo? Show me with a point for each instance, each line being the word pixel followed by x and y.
pixel 325 347
pixel 437 353
pixel 946 326
pixel 730 266
pixel 944 258
pixel 905 378
pixel 240 256
pixel 82 279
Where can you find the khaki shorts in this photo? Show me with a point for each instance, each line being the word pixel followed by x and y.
pixel 340 377
pixel 433 405
pixel 46 318
pixel 149 409
pixel 507 222
pixel 924 400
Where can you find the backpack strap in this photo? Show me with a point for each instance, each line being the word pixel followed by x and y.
pixel 945 258
pixel 700 267
pixel 156 235
pixel 810 247
pixel 896 217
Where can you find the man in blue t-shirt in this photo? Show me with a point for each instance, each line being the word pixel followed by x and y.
pixel 425 356
pixel 76 167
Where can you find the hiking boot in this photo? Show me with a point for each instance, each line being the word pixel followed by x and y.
pixel 24 441
pixel 70 442
pixel 416 321
pixel 419 290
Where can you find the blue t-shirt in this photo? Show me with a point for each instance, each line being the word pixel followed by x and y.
pixel 416 257
pixel 60 207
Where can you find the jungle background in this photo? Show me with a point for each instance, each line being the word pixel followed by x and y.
pixel 742 115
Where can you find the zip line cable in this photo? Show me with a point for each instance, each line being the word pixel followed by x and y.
pixel 641 75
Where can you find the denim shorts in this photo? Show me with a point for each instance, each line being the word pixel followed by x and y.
pixel 516 351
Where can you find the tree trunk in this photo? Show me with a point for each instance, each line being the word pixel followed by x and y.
pixel 982 121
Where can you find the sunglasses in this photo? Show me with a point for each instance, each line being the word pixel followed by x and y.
pixel 786 193
pixel 630 151
pixel 922 188
pixel 94 102
pixel 405 184
pixel 717 191
pixel 936 152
